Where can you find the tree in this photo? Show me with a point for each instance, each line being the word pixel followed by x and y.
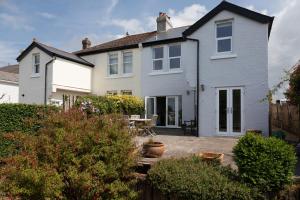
pixel 293 93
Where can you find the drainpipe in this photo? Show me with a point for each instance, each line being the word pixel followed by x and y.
pixel 46 74
pixel 198 82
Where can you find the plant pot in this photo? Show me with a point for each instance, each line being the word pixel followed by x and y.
pixel 153 149
pixel 210 156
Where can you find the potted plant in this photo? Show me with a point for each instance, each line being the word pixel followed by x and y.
pixel 211 156
pixel 153 149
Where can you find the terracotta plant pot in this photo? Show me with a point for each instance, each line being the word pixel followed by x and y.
pixel 210 156
pixel 153 149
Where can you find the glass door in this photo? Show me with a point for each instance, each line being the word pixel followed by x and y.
pixel 229 111
pixel 172 111
pixel 150 107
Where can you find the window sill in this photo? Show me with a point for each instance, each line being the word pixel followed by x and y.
pixel 165 73
pixel 35 75
pixel 119 76
pixel 223 56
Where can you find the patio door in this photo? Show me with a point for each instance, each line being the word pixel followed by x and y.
pixel 172 111
pixel 230 111
pixel 150 107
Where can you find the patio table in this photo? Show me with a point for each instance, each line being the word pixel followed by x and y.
pixel 141 124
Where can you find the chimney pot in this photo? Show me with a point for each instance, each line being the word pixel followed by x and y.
pixel 86 43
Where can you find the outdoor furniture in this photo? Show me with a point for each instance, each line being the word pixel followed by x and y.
pixel 189 126
pixel 149 127
pixel 141 125
pixel 131 124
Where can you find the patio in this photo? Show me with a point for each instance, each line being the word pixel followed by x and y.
pixel 177 145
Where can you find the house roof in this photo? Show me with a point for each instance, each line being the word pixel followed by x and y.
pixel 169 36
pixel 9 77
pixel 10 68
pixel 224 5
pixel 51 51
pixel 127 42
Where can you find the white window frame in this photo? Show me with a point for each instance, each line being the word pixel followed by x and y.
pixel 34 65
pixel 112 92
pixel 155 59
pixel 224 38
pixel 169 58
pixel 123 71
pixel 109 65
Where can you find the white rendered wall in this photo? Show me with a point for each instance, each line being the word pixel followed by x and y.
pixel 9 92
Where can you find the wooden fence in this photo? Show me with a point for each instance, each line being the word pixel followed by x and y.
pixel 286 117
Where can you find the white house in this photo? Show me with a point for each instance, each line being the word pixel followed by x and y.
pixel 9 87
pixel 214 71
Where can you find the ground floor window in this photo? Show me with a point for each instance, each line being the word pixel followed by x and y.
pixel 126 92
pixel 112 92
pixel 168 109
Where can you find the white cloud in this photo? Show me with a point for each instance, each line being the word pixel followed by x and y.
pixel 129 25
pixel 188 15
pixel 8 53
pixel 284 42
pixel 252 7
pixel 15 21
pixel 8 5
pixel 113 4
pixel 46 15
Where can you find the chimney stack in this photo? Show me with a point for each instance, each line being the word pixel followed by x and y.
pixel 163 22
pixel 86 43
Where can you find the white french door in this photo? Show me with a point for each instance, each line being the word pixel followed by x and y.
pixel 230 111
pixel 150 107
pixel 172 111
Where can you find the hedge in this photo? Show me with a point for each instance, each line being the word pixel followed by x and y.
pixel 72 156
pixel 125 104
pixel 265 163
pixel 193 179
pixel 13 117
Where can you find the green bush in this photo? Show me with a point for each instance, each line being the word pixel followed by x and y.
pixel 125 104
pixel 13 117
pixel 191 178
pixel 265 163
pixel 71 157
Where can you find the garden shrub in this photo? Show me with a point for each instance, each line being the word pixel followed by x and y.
pixel 125 104
pixel 265 163
pixel 71 157
pixel 191 179
pixel 13 117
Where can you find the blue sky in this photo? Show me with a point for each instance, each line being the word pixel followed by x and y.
pixel 63 23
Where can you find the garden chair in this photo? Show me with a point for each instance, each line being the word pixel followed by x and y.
pixel 189 126
pixel 149 127
pixel 131 125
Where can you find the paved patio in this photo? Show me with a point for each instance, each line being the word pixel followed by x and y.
pixel 180 146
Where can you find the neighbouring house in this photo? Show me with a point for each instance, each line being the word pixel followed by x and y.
pixel 9 84
pixel 214 71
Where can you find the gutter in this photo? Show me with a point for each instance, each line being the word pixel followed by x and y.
pixel 46 73
pixel 198 83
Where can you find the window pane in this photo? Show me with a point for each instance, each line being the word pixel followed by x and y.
pixel 175 51
pixel 224 30
pixel 224 45
pixel 37 69
pixel 236 114
pixel 158 53
pixel 174 63
pixel 223 110
pixel 126 92
pixel 127 57
pixel 157 65
pixel 127 68
pixel 37 59
pixel 113 69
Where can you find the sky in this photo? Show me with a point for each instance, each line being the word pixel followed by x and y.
pixel 64 23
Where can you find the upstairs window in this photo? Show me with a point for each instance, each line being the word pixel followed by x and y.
pixel 224 37
pixel 113 64
pixel 127 62
pixel 112 92
pixel 36 64
pixel 174 56
pixel 158 55
pixel 126 92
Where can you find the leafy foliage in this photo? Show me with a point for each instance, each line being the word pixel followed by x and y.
pixel 191 178
pixel 71 157
pixel 125 104
pixel 293 93
pixel 265 163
